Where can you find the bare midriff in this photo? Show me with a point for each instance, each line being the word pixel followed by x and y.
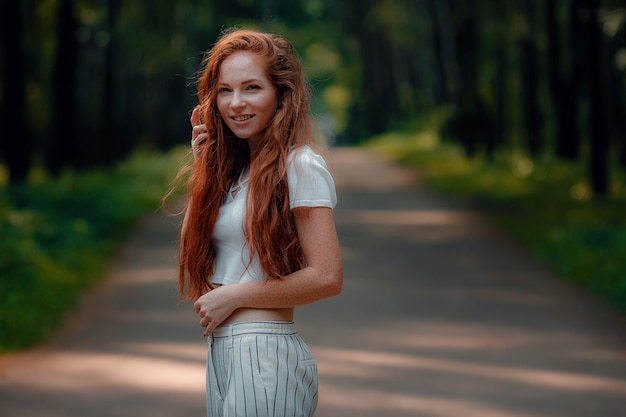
pixel 243 315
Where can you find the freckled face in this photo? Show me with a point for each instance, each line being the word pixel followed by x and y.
pixel 246 98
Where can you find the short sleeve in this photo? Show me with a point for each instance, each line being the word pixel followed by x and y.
pixel 310 182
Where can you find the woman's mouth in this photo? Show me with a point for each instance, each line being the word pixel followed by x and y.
pixel 242 118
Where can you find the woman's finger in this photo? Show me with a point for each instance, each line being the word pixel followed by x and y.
pixel 196 116
pixel 209 329
pixel 199 130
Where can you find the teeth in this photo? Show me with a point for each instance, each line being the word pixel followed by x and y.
pixel 242 118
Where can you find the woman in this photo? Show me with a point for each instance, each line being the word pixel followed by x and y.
pixel 258 236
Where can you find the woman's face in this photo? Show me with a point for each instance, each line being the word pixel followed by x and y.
pixel 246 98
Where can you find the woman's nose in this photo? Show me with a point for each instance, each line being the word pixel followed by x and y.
pixel 237 100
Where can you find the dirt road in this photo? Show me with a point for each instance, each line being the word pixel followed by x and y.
pixel 441 316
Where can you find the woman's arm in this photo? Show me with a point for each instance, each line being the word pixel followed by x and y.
pixel 321 278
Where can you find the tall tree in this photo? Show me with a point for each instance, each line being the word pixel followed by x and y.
pixel 445 46
pixel 598 123
pixel 441 91
pixel 566 75
pixel 555 58
pixel 62 148
pixel 15 148
pixel 531 112
pixel 616 80
pixel 117 146
pixel 366 113
pixel 471 124
pixel 499 86
pixel 377 72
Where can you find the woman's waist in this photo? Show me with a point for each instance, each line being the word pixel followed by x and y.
pixel 282 328
pixel 243 315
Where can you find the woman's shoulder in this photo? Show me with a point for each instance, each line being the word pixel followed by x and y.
pixel 310 182
pixel 305 155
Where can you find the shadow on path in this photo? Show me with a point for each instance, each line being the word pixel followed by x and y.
pixel 130 350
pixel 441 316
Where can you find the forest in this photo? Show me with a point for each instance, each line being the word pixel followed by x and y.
pixel 94 92
pixel 84 82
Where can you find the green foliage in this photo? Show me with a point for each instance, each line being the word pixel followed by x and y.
pixel 57 236
pixel 545 204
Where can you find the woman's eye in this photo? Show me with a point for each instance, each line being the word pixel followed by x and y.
pixel 223 90
pixel 253 87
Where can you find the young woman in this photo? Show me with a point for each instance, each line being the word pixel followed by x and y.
pixel 258 236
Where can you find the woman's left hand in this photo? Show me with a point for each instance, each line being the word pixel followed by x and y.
pixel 213 308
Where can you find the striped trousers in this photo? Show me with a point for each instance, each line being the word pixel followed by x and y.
pixel 260 369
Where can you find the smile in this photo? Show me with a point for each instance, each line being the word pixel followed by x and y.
pixel 242 118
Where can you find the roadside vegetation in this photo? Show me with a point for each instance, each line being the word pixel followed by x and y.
pixel 544 203
pixel 520 86
pixel 59 234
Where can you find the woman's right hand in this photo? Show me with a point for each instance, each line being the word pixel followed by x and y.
pixel 199 134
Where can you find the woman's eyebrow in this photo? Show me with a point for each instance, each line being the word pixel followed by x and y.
pixel 247 81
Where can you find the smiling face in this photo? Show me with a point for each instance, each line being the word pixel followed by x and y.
pixel 246 98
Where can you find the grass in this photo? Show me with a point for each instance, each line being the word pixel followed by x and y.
pixel 57 236
pixel 545 204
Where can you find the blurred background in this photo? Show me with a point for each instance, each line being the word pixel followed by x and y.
pixel 86 81
pixel 94 92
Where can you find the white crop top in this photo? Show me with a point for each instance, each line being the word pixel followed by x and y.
pixel 310 185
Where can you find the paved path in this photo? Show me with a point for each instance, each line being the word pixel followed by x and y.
pixel 441 316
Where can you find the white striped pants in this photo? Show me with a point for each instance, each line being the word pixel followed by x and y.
pixel 260 369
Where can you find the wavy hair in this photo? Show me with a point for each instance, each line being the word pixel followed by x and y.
pixel 269 227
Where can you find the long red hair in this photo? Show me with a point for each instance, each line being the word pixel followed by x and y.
pixel 269 227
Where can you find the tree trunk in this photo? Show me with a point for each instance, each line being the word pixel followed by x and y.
pixel 598 123
pixel 499 84
pixel 530 100
pixel 375 55
pixel 114 145
pixel 268 14
pixel 568 129
pixel 554 49
pixel 555 58
pixel 467 123
pixel 15 149
pixel 616 98
pixel 441 91
pixel 62 149
pixel 447 48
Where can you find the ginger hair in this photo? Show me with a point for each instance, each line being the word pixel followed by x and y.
pixel 269 226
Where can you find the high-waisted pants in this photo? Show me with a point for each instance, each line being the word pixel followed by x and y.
pixel 260 369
